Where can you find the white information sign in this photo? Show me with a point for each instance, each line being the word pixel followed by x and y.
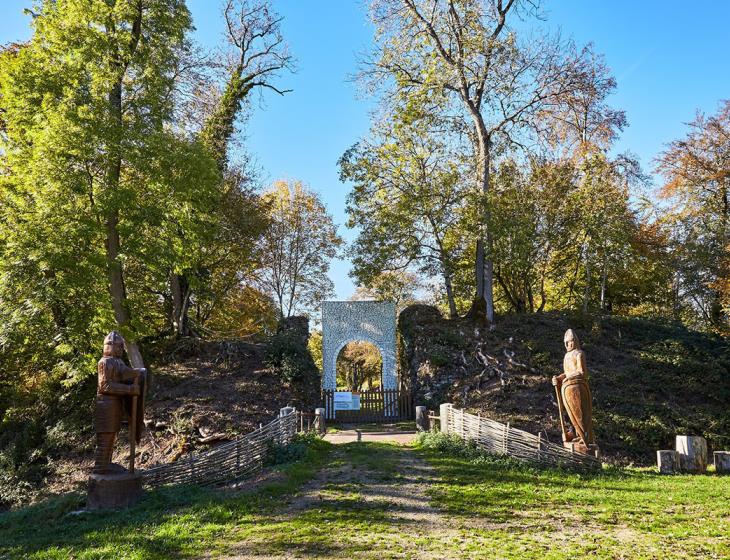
pixel 345 400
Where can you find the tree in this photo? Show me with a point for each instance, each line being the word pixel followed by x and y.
pixel 297 248
pixel 256 56
pixel 582 123
pixel 400 287
pixel 408 203
pixel 534 224
pixel 86 153
pixel 697 174
pixel 494 85
pixel 359 365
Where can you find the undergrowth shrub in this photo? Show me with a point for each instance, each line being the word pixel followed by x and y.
pixel 288 354
pixel 296 450
pixel 45 418
pixel 455 446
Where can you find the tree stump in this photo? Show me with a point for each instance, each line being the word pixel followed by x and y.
pixel 692 453
pixel 668 461
pixel 722 462
pixel 421 419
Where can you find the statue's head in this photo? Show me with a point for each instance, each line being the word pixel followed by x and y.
pixel 571 340
pixel 114 345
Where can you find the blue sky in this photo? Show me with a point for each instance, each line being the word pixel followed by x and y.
pixel 670 58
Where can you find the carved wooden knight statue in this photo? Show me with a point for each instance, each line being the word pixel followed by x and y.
pixel 574 395
pixel 118 386
pixel 120 389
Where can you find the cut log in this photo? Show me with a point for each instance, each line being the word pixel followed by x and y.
pixel 692 453
pixel 668 461
pixel 722 462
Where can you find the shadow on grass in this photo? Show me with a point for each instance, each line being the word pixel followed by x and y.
pixel 169 521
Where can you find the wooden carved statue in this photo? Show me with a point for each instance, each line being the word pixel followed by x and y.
pixel 574 395
pixel 120 388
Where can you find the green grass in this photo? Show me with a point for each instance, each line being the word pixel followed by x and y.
pixel 180 521
pixel 348 501
pixel 616 513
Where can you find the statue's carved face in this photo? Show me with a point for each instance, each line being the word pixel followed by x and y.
pixel 114 345
pixel 571 341
pixel 114 349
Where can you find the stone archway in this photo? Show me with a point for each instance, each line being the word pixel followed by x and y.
pixel 350 321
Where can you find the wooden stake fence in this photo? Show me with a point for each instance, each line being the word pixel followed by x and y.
pixel 495 437
pixel 228 462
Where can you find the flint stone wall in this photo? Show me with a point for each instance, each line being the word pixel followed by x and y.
pixel 350 321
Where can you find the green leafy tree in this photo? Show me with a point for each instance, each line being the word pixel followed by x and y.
pixel 534 223
pixel 400 287
pixel 408 202
pixel 496 88
pixel 297 248
pixel 95 186
pixel 696 169
pixel 87 156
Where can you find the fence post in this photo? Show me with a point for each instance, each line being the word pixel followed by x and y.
pixel 421 419
pixel 506 439
pixel 319 420
pixel 444 411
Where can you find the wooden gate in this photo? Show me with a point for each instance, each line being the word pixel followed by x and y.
pixel 376 406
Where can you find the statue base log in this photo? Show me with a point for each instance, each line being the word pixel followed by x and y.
pixel 114 490
pixel 578 447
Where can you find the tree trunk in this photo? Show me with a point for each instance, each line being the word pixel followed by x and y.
pixel 483 266
pixel 117 290
pixel 604 281
pixel 453 313
pixel 180 290
pixel 587 291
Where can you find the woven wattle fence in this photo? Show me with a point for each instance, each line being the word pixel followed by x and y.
pixel 500 439
pixel 228 462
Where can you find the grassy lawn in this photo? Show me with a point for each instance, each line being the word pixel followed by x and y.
pixel 524 512
pixel 376 500
pixel 170 522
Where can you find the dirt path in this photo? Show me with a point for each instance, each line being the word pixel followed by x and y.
pixel 370 501
pixel 383 436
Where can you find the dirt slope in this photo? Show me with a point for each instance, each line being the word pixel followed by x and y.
pixel 649 380
pixel 201 393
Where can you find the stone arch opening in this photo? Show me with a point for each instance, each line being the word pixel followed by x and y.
pixel 359 366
